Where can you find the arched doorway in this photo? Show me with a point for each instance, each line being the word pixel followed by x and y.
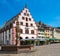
pixel 26 38
pixel 21 38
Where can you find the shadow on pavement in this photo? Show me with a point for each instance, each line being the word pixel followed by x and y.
pixel 8 52
pixel 16 52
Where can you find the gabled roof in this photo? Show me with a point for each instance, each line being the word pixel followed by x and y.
pixel 44 26
pixel 11 20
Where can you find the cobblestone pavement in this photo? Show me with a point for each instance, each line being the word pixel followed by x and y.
pixel 45 50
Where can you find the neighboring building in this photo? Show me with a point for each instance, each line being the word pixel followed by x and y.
pixel 48 31
pixel 28 28
pixel 41 33
pixel 56 33
pixel 1 39
pixel 44 30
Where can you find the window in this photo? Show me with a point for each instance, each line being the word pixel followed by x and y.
pixel 47 37
pixel 26 24
pixel 27 31
pixel 26 38
pixel 32 31
pixel 42 37
pixel 7 26
pixel 26 19
pixel 9 31
pixel 9 36
pixel 26 11
pixel 6 34
pixel 21 23
pixel 17 23
pixel 21 31
pixel 29 19
pixel 25 14
pixel 23 18
pixel 48 34
pixel 32 37
pixel 10 24
pixel 31 24
pixel 20 38
pixel 46 31
pixel 3 35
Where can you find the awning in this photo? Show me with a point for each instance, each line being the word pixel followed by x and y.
pixel 27 39
pixel 40 39
pixel 53 39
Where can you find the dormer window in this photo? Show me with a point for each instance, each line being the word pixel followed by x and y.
pixel 26 11
pixel 29 19
pixel 25 14
pixel 26 19
pixel 31 24
pixel 23 18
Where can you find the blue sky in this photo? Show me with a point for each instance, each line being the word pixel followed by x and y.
pixel 47 11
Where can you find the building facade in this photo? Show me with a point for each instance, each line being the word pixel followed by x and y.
pixel 41 33
pixel 44 30
pixel 48 32
pixel 56 33
pixel 27 25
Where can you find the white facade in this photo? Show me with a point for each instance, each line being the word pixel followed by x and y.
pixel 56 33
pixel 41 34
pixel 5 37
pixel 8 36
pixel 23 27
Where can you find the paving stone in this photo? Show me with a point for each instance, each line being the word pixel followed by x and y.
pixel 45 50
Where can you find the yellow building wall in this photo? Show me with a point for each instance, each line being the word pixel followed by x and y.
pixel 48 33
